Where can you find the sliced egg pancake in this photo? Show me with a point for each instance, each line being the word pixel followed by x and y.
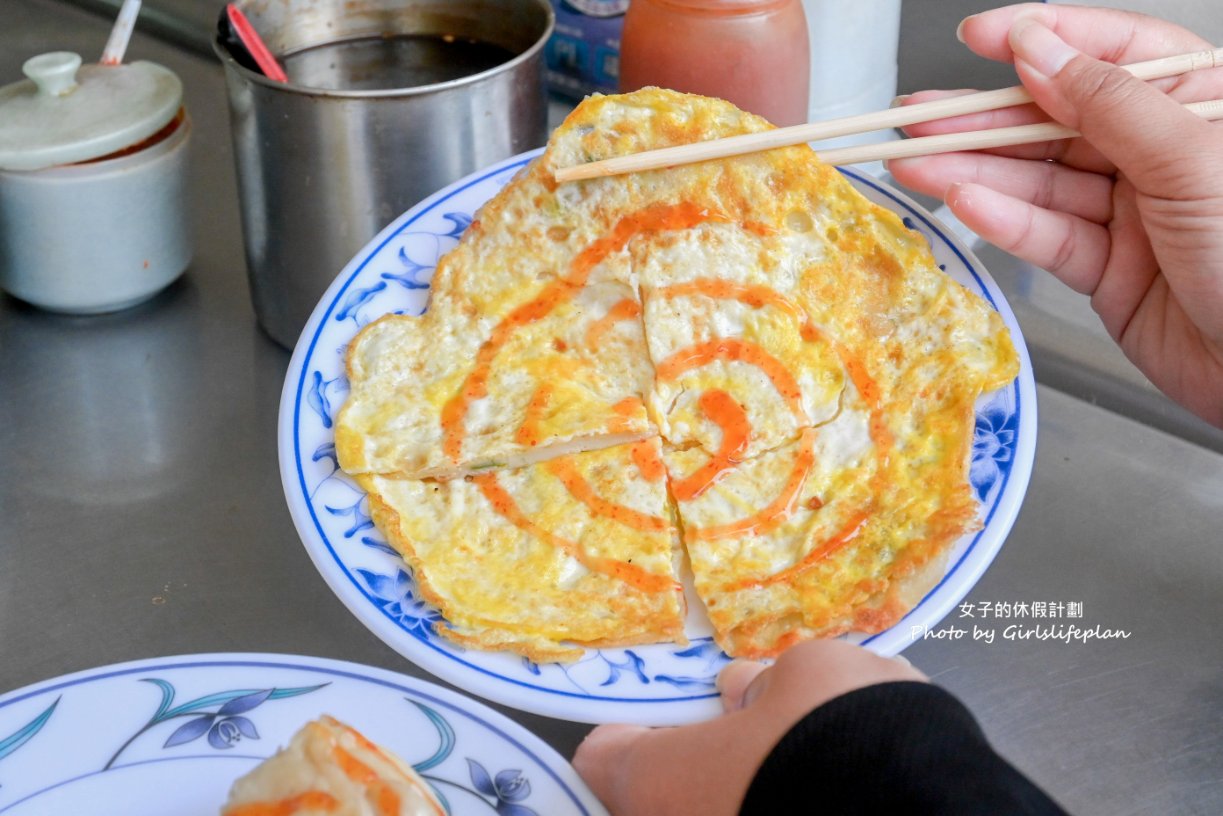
pixel 741 358
pixel 814 539
pixel 721 314
pixel 330 769
pixel 579 550
pixel 429 400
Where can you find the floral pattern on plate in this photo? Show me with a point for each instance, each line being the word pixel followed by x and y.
pixel 106 740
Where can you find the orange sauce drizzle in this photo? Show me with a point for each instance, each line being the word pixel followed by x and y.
pixel 373 748
pixel 310 800
pixel 643 454
pixel 359 738
pixel 353 768
pixel 646 458
pixel 635 576
pixel 759 228
pixel 869 389
pixel 580 489
pixel 625 410
pixel 386 801
pixel 728 415
pixel 778 510
pixel 883 439
pixel 730 348
pixel 847 533
pixel 626 309
pixel 529 433
pixel 657 218
pixel 753 294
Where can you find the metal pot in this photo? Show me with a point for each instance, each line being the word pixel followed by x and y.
pixel 328 159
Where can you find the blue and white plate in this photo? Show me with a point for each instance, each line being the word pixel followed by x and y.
pixel 662 684
pixel 170 735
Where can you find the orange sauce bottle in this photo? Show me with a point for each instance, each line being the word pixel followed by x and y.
pixel 753 53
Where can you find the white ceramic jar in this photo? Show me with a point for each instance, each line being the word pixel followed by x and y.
pixel 93 165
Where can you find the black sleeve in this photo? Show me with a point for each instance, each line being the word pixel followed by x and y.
pixel 905 748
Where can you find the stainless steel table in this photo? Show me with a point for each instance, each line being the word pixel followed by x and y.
pixel 143 514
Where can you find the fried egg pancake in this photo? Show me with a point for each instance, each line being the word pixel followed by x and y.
pixel 577 551
pixel 447 395
pixel 803 371
pixel 329 769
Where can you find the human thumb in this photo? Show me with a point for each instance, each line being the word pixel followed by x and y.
pixel 739 682
pixel 600 759
pixel 1144 132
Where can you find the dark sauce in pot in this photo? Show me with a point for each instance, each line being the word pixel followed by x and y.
pixel 387 63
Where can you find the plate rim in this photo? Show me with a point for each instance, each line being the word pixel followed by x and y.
pixel 456 702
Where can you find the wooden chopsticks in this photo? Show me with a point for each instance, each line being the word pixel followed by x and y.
pixel 895 117
pixel 977 139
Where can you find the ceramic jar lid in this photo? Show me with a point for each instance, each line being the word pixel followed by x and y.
pixel 65 113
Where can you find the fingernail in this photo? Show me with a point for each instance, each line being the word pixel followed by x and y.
pixel 955 194
pixel 1039 47
pixel 959 30
pixel 900 100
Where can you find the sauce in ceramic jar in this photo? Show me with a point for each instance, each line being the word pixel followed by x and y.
pixel 753 53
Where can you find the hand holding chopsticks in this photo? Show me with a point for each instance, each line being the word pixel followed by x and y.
pixel 896 117
pixel 978 139
pixel 1130 214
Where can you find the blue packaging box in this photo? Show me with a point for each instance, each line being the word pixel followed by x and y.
pixel 583 54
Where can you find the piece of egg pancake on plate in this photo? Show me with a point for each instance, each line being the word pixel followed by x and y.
pixel 330 769
pixel 445 394
pixel 843 530
pixel 581 550
pixel 723 322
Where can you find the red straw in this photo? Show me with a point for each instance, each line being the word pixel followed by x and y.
pixel 250 38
